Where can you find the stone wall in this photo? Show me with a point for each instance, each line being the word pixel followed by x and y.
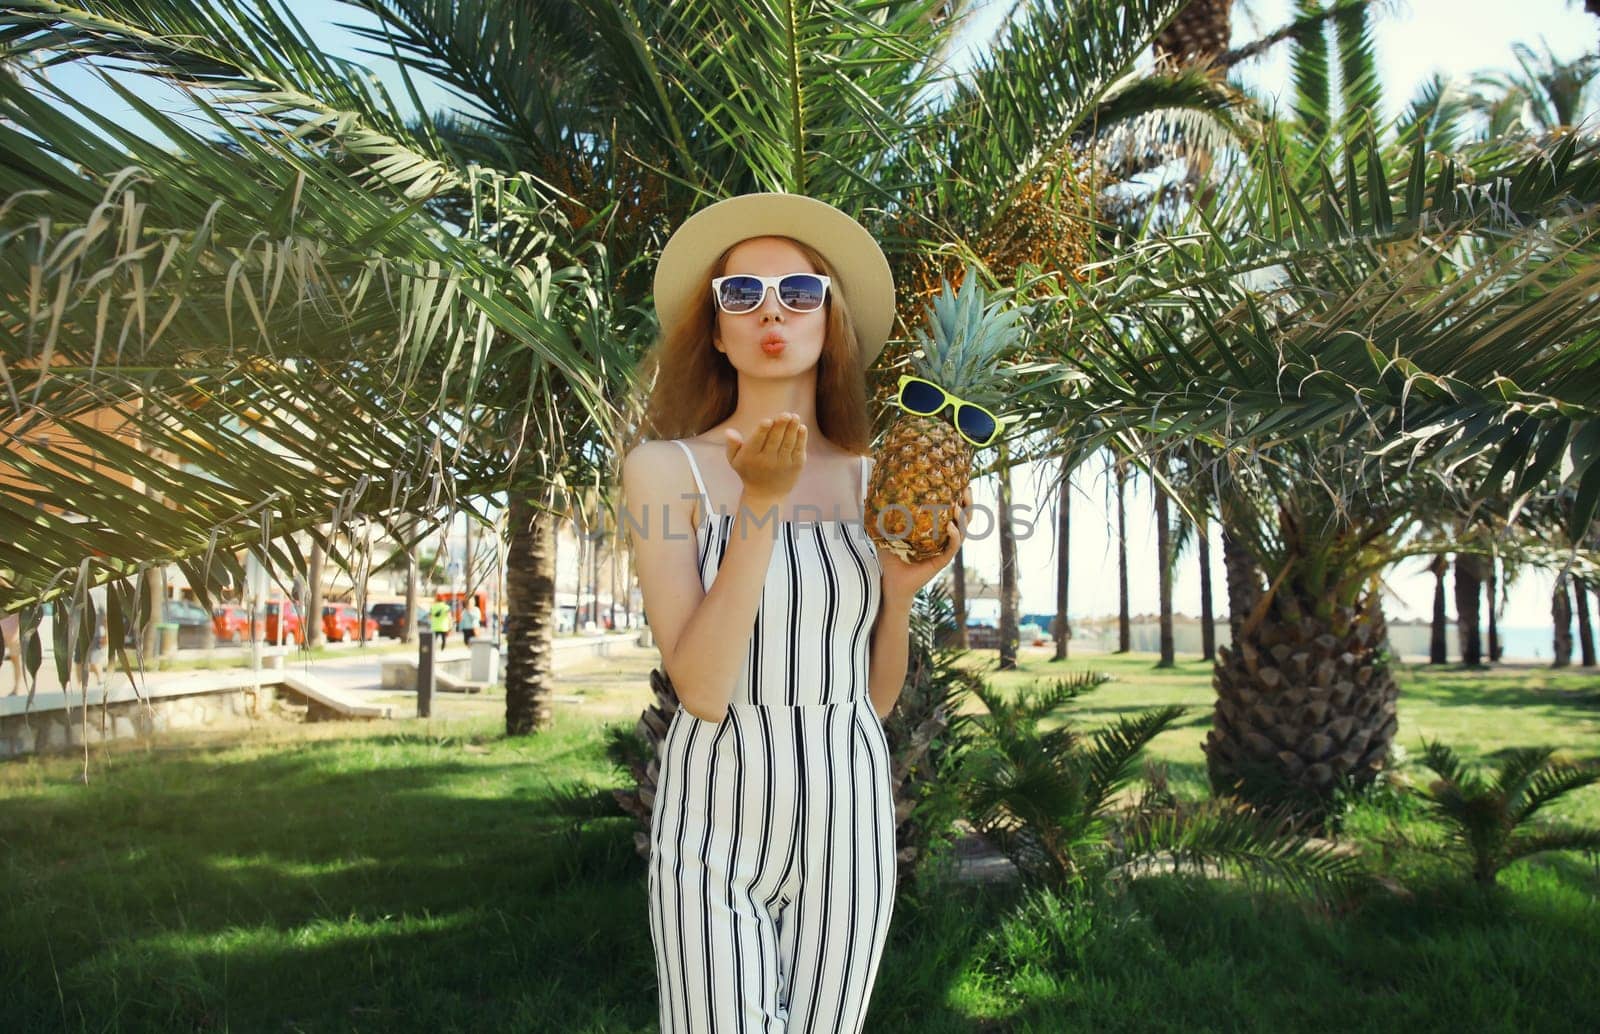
pixel 63 728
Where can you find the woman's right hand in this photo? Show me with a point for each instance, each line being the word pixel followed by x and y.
pixel 769 463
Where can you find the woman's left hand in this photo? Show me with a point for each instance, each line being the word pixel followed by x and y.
pixel 902 579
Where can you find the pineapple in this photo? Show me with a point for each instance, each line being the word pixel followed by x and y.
pixel 922 464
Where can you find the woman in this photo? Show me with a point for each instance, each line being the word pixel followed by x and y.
pixel 785 633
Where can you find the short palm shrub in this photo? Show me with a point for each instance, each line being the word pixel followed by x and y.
pixel 1490 818
pixel 1052 799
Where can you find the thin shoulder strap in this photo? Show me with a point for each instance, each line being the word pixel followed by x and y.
pixel 864 462
pixel 694 468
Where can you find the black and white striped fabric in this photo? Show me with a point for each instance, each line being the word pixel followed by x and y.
pixel 772 867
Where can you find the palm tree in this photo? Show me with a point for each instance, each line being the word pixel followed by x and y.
pixel 1061 631
pixel 1008 567
pixel 1164 564
pixel 1469 596
pixel 1284 291
pixel 328 263
pixel 958 597
pixel 1496 596
pixel 1561 621
pixel 1438 638
pixel 1580 601
pixel 1490 820
pixel 604 131
pixel 1544 93
pixel 1208 618
pixel 1124 617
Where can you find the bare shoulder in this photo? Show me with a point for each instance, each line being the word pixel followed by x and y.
pixel 647 473
pixel 651 479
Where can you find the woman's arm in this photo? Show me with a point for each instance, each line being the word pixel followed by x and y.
pixel 890 653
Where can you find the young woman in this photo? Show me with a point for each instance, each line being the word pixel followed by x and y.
pixel 783 630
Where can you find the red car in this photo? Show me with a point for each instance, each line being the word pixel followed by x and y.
pixel 341 621
pixel 291 624
pixel 233 623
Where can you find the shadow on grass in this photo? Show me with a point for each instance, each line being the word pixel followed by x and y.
pixel 1191 955
pixel 377 884
pixel 409 881
pixel 1571 695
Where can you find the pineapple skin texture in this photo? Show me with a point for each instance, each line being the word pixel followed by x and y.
pixel 921 462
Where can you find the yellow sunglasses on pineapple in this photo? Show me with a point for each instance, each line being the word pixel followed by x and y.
pixel 925 398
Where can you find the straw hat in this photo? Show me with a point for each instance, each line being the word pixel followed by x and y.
pixel 863 281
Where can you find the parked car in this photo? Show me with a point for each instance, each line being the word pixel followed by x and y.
pixel 234 623
pixel 195 626
pixel 982 636
pixel 291 624
pixel 391 619
pixel 342 621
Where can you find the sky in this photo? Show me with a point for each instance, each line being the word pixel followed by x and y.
pixel 1454 38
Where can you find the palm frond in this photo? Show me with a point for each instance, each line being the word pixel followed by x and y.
pixel 1112 751
pixel 1529 844
pixel 1219 834
pixel 1360 86
pixel 1022 101
pixel 1547 785
pixel 257 59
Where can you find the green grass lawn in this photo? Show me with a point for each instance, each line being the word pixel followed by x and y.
pixel 417 876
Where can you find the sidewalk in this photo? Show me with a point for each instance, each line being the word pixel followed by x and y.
pixel 353 669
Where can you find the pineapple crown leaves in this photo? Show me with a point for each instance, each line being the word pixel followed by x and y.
pixel 968 331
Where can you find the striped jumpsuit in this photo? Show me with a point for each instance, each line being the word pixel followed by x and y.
pixel 772 852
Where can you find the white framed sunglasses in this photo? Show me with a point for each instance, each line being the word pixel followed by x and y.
pixel 743 292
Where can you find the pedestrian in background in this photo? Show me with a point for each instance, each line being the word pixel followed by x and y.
pixel 439 620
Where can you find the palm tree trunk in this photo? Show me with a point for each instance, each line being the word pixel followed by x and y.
pixel 1062 631
pixel 958 595
pixel 468 583
pixel 1008 569
pixel 594 575
pixel 1580 599
pixel 1164 572
pixel 581 539
pixel 1561 616
pixel 1438 637
pixel 1244 582
pixel 1492 593
pixel 311 620
pixel 1208 614
pixel 155 590
pixel 1306 700
pixel 410 634
pixel 1468 592
pixel 1198 31
pixel 1124 618
pixel 530 592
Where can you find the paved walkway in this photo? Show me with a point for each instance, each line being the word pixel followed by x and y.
pixel 353 668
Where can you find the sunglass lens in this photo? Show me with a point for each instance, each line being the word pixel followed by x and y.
pixel 978 425
pixel 921 397
pixel 740 293
pixel 801 291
